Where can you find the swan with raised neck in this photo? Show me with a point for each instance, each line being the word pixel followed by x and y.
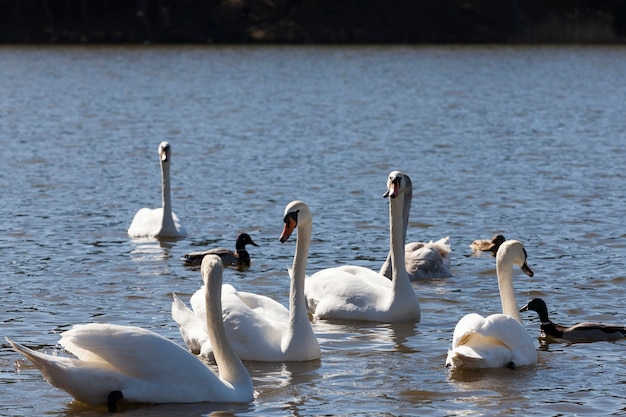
pixel 357 293
pixel 160 222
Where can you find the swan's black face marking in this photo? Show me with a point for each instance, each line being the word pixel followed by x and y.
pixel 291 221
pixel 165 152
pixel 395 184
pixel 525 268
pixel 291 216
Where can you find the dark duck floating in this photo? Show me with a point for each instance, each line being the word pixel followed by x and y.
pixel 581 332
pixel 238 257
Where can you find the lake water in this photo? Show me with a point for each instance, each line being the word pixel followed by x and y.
pixel 529 142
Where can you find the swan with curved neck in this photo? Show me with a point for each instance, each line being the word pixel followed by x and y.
pixel 159 222
pixel 499 340
pixel 138 365
pixel 358 293
pixel 421 260
pixel 261 328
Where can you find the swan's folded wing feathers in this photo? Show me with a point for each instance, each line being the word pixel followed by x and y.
pixel 129 350
pixel 190 326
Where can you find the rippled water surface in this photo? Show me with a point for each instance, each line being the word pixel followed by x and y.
pixel 527 142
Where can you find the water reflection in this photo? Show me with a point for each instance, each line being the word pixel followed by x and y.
pixel 488 388
pixel 76 409
pixel 369 336
pixel 150 249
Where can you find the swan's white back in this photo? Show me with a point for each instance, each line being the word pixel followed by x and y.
pixel 499 340
pixel 358 293
pixel 142 365
pixel 159 222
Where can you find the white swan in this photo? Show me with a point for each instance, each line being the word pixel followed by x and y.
pixel 358 293
pixel 159 222
pixel 260 328
pixel 139 365
pixel 499 340
pixel 421 260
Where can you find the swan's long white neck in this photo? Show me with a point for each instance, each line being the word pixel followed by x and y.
pixel 168 220
pixel 298 317
pixel 399 276
pixel 230 368
pixel 504 270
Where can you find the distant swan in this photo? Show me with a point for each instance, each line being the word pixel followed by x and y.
pixel 487 245
pixel 260 328
pixel 358 293
pixel 421 260
pixel 499 340
pixel 138 365
pixel 160 222
pixel 240 257
pixel 581 332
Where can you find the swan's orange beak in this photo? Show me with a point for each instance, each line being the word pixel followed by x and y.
pixel 290 225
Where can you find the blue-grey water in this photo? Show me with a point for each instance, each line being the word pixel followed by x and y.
pixel 529 142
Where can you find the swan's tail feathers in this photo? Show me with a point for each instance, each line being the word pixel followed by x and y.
pixel 30 354
pixel 463 357
pixel 53 368
pixel 442 246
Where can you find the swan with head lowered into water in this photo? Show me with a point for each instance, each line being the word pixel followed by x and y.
pixel 126 362
pixel 356 292
pixel 498 340
pixel 421 260
pixel 159 222
pixel 260 328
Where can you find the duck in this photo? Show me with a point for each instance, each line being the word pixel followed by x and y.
pixel 498 340
pixel 357 293
pixel 488 245
pixel 582 332
pixel 421 259
pixel 239 257
pixel 160 222
pixel 260 328
pixel 115 362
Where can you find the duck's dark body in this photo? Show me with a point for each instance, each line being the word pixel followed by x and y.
pixel 582 332
pixel 239 257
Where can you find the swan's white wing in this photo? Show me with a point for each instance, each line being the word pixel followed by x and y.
pixel 89 382
pixel 192 330
pixel 146 223
pixel 130 350
pixel 348 293
pixel 492 342
pixel 424 260
pixel 143 365
pixel 255 324
pixel 428 260
pixel 180 229
pixel 149 222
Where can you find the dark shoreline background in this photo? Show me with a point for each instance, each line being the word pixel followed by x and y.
pixel 312 21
